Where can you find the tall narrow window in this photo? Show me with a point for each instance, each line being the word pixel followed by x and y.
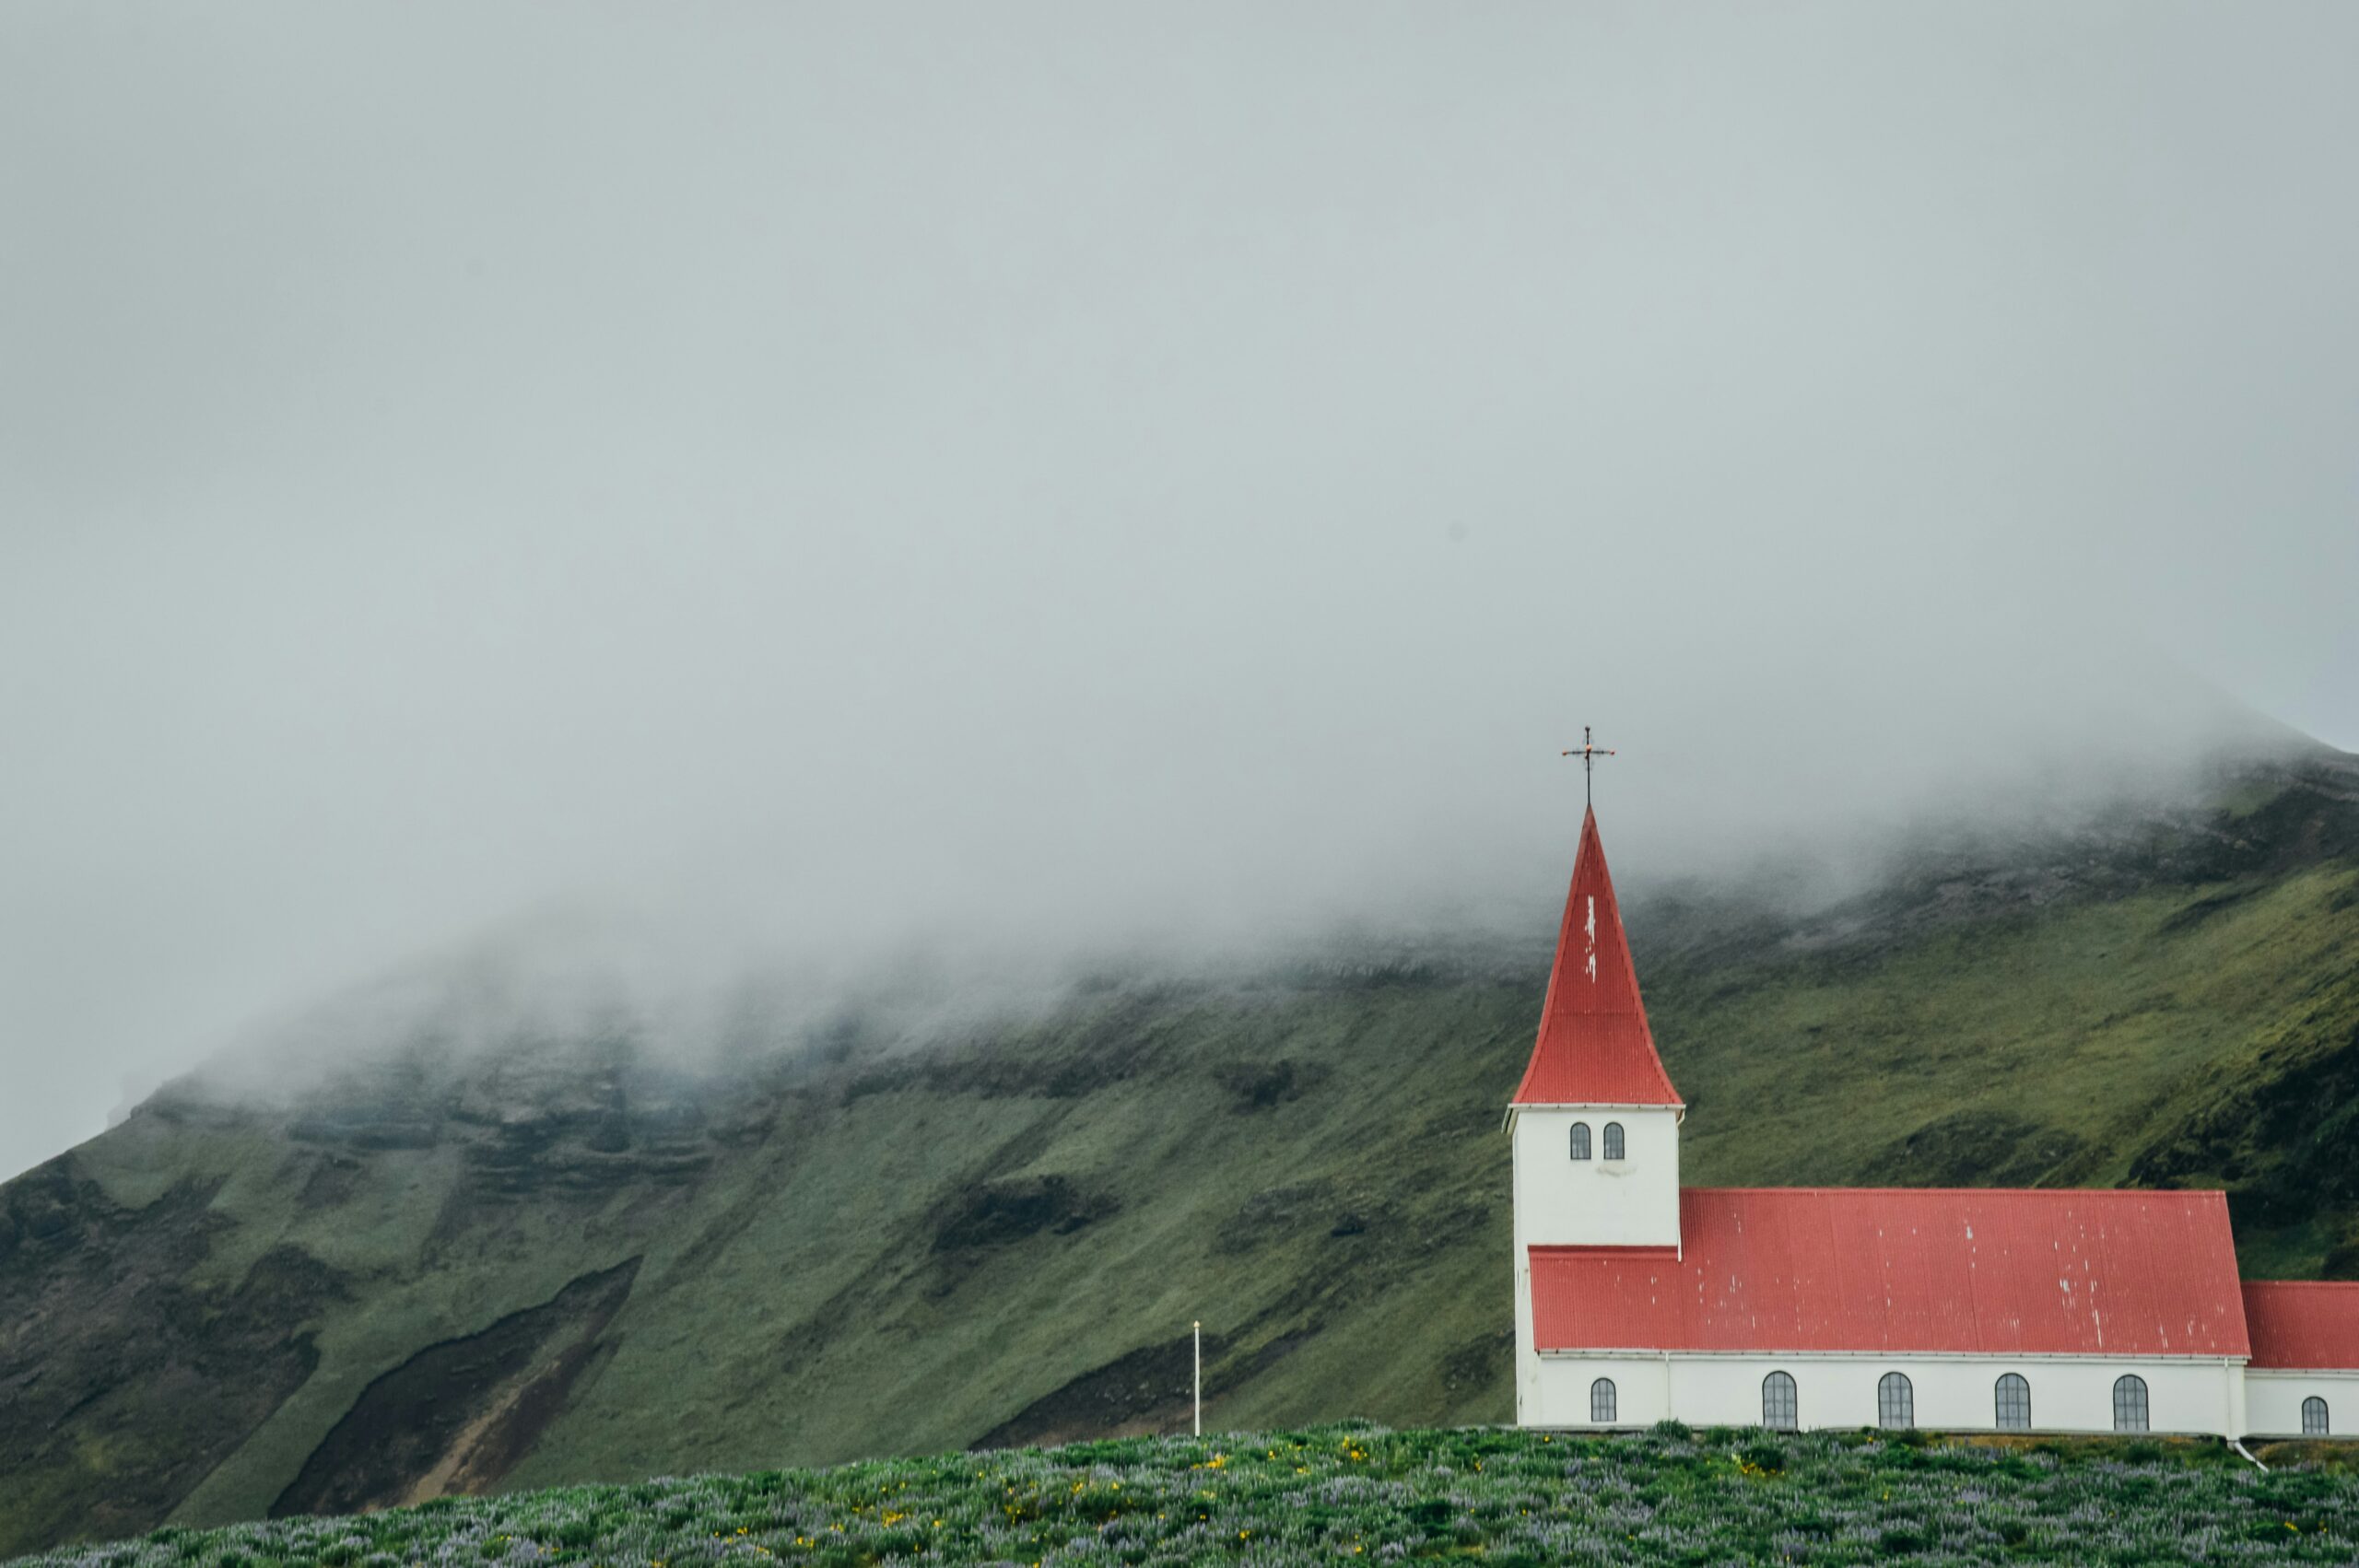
pixel 2015 1404
pixel 1895 1401
pixel 1602 1404
pixel 1779 1410
pixel 1580 1141
pixel 2314 1417
pixel 1612 1139
pixel 2129 1403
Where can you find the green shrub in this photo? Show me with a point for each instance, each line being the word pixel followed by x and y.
pixel 1363 1493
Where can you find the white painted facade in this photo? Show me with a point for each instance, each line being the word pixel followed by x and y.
pixel 1948 1393
pixel 2273 1401
pixel 1634 1201
pixel 1561 1201
pixel 1567 1192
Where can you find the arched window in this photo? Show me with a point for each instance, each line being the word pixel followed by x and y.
pixel 2129 1403
pixel 1580 1141
pixel 2314 1417
pixel 1612 1139
pixel 1895 1401
pixel 2015 1404
pixel 1778 1408
pixel 1601 1400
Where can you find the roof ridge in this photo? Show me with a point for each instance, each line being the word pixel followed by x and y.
pixel 1886 1271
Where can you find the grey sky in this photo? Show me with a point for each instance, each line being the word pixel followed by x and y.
pixel 833 470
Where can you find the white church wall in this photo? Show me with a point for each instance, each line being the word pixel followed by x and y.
pixel 1950 1393
pixel 1642 1389
pixel 2273 1401
pixel 1561 1201
pixel 1528 1388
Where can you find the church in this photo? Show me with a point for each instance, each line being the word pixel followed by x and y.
pixel 1962 1310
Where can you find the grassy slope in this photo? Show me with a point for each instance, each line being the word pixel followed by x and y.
pixel 1311 1166
pixel 2093 1023
pixel 1363 1493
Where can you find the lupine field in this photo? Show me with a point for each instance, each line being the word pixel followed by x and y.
pixel 1358 1492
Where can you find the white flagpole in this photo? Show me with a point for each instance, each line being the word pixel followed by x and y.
pixel 1200 1377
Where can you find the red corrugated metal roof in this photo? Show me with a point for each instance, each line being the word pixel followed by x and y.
pixel 1978 1271
pixel 2304 1323
pixel 1594 1046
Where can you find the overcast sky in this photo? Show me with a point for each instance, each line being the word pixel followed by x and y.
pixel 837 469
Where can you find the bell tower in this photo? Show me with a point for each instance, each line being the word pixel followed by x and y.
pixel 1593 1129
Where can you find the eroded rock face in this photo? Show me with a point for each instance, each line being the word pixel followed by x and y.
pixel 125 1382
pixel 548 1120
pixel 1017 1207
pixel 1145 1391
pixel 459 1415
pixel 96 1316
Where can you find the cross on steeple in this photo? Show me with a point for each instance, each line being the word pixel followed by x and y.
pixel 1588 753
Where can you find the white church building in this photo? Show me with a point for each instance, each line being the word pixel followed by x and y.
pixel 1961 1309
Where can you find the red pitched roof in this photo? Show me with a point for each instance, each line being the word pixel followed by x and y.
pixel 1594 1046
pixel 2302 1323
pixel 1976 1271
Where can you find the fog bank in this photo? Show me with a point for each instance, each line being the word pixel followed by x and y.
pixel 821 479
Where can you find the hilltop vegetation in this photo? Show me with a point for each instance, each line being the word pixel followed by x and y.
pixel 1356 1493
pixel 566 1262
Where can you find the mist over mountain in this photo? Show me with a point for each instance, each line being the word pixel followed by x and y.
pixel 506 1220
pixel 710 979
pixel 814 485
pixel 758 735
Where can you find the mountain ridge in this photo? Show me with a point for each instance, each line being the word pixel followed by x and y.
pixel 568 1260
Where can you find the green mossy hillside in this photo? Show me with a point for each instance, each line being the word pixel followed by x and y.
pixel 565 1261
pixel 1359 1493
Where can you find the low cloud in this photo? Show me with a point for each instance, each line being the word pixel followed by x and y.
pixel 1050 482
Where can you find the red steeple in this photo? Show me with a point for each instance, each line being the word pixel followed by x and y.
pixel 1594 1046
